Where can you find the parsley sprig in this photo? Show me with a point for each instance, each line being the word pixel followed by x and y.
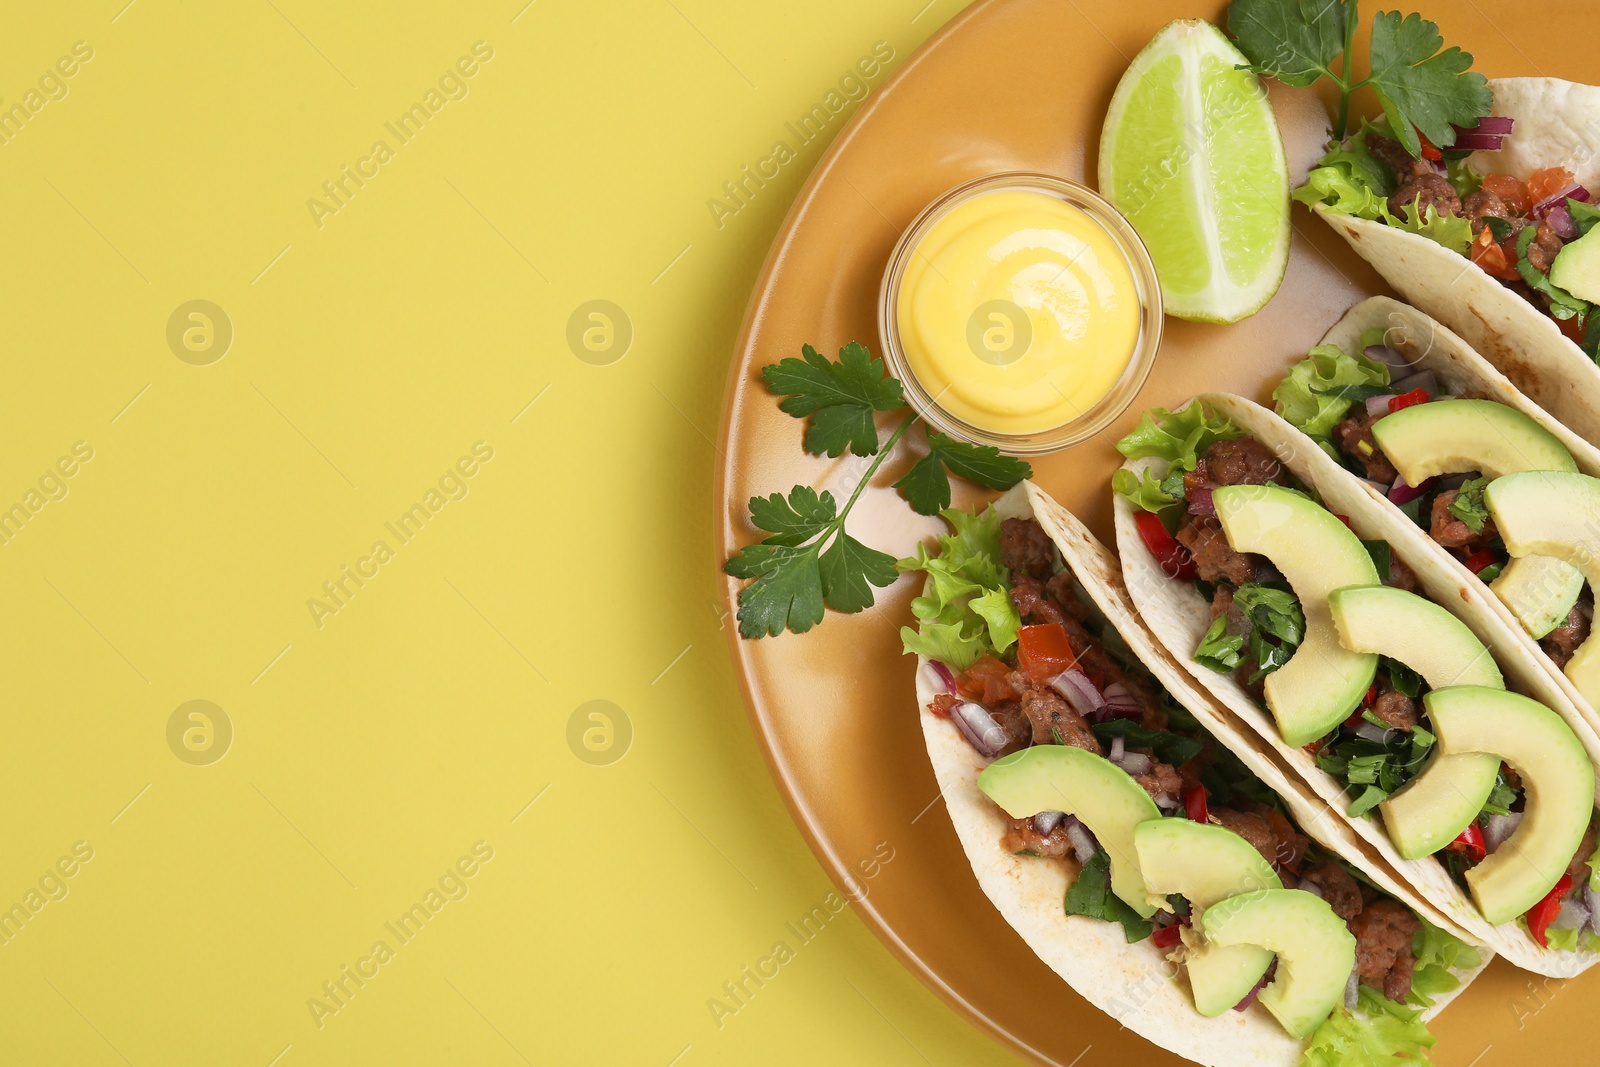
pixel 808 561
pixel 1420 84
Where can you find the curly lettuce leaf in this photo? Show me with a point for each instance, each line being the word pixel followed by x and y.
pixel 966 610
pixel 1438 953
pixel 1145 491
pixel 1452 231
pixel 1384 1033
pixel 1310 396
pixel 1179 437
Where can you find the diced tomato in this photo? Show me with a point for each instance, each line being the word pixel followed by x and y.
pixel 1480 559
pixel 1173 558
pixel 1428 150
pixel 1044 651
pixel 1166 936
pixel 1344 519
pixel 1542 914
pixel 985 681
pixel 1469 843
pixel 1406 400
pixel 1194 804
pixel 1493 257
pixel 1543 184
pixel 1316 746
pixel 1371 698
pixel 1509 189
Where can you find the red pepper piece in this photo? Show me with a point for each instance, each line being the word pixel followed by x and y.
pixel 1428 149
pixel 1174 559
pixel 1166 936
pixel 1194 804
pixel 1480 559
pixel 1542 914
pixel 1406 400
pixel 1469 843
pixel 1044 651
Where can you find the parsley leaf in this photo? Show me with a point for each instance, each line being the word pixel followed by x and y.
pixel 1090 895
pixel 1292 41
pixel 1421 87
pixel 926 486
pixel 1468 504
pixel 1169 747
pixel 808 562
pixel 839 396
pixel 1219 650
pixel 1272 610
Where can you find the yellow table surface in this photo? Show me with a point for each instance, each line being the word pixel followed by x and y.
pixel 192 497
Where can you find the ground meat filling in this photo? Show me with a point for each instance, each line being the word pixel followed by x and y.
pixel 1241 461
pixel 1419 192
pixel 1383 932
pixel 1355 439
pixel 1394 707
pixel 1339 889
pixel 1213 558
pixel 1033 602
pixel 1268 832
pixel 1021 835
pixel 1401 576
pixel 1025 549
pixel 1546 244
pixel 1578 869
pixel 1450 531
pixel 1052 716
pixel 1559 644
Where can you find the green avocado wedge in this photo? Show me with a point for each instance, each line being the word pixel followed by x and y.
pixel 1315 950
pixel 1432 809
pixel 1556 774
pixel 1457 436
pixel 1555 513
pixel 1207 864
pixel 1323 681
pixel 1092 788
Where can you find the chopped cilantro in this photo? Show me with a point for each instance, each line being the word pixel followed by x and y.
pixel 1090 894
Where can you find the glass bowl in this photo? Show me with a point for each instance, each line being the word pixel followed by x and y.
pixel 1122 392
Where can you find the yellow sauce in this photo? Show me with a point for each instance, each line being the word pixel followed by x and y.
pixel 1017 312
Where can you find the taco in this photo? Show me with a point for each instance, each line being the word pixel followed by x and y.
pixel 1338 632
pixel 1490 236
pixel 1123 824
pixel 1407 406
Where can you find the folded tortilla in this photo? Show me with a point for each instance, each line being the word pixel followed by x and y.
pixel 1179 617
pixel 1557 125
pixel 1135 984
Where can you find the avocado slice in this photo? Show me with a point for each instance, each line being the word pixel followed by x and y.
pixel 1457 436
pixel 1323 681
pixel 1206 864
pixel 1577 268
pixel 1555 513
pixel 1434 807
pixel 1556 774
pixel 1092 788
pixel 1540 592
pixel 1316 951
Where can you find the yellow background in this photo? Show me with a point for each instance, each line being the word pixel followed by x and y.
pixel 369 353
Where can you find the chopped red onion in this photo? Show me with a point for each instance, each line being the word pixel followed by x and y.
pixel 1371 731
pixel 1499 827
pixel 1167 802
pixel 1079 691
pixel 1401 493
pixel 1426 380
pixel 1451 481
pixel 1083 843
pixel 1352 991
pixel 1572 915
pixel 1135 762
pixel 1119 748
pixel 1255 991
pixel 938 676
pixel 1378 406
pixel 1591 899
pixel 979 728
pixel 1200 503
pixel 1543 207
pixel 1046 821
pixel 1121 704
pixel 1475 141
pixel 1500 124
pixel 1560 220
pixel 1308 886
pixel 1387 355
pixel 1164 918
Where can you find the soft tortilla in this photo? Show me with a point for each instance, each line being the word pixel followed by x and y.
pixel 1179 617
pixel 1133 983
pixel 1557 124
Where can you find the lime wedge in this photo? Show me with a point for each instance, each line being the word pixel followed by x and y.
pixel 1191 154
